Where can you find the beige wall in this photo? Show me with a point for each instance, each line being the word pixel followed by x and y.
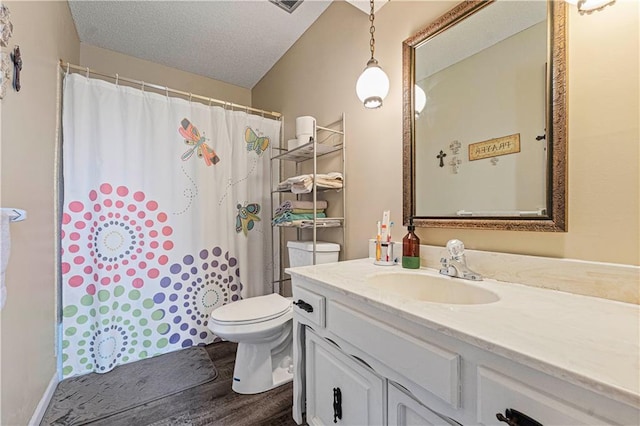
pixel 110 62
pixel 45 33
pixel 317 77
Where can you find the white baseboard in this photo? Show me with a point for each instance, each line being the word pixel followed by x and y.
pixel 38 414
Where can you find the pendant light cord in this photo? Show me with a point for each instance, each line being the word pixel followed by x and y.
pixel 372 29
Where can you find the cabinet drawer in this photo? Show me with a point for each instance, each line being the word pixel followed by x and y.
pixel 497 392
pixel 309 305
pixel 328 370
pixel 433 368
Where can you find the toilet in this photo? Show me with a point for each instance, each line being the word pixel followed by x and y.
pixel 262 327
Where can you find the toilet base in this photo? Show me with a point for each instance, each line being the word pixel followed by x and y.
pixel 258 368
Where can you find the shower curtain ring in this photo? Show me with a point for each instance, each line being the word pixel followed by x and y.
pixel 210 101
pixel 142 87
pixel 67 69
pixel 166 92
pixel 87 72
pixel 190 97
pixel 117 78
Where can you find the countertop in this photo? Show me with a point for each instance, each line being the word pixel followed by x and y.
pixel 588 341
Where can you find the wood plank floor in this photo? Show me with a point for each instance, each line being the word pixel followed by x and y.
pixel 212 403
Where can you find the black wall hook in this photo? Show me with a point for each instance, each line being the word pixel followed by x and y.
pixel 17 67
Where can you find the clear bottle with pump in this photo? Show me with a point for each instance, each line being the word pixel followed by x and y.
pixel 411 248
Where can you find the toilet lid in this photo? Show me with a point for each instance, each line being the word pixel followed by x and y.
pixel 255 309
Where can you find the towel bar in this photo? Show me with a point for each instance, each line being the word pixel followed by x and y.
pixel 15 215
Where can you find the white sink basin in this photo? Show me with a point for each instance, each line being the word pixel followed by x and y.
pixel 434 289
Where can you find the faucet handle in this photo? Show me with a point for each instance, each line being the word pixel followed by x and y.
pixel 455 248
pixel 473 276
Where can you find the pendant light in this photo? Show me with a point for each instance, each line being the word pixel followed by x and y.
pixel 373 83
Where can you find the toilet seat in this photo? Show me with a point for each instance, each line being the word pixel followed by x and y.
pixel 252 311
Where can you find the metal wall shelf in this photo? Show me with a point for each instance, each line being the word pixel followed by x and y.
pixel 311 151
pixel 320 223
pixel 318 189
pixel 307 151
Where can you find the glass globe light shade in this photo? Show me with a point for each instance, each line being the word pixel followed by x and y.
pixel 373 85
pixel 420 100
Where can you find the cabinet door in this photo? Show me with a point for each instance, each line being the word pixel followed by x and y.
pixel 406 411
pixel 338 384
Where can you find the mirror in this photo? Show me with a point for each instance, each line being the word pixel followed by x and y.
pixel 488 149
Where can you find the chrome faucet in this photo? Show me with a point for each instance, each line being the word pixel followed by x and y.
pixel 456 264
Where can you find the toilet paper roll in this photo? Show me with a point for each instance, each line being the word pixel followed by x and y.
pixel 305 125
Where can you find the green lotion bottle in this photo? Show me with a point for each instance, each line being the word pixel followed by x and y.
pixel 411 248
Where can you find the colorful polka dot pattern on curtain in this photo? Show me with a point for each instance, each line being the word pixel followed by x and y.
pixel 126 235
pixel 112 327
pixel 132 301
pixel 150 243
pixel 195 286
pixel 126 242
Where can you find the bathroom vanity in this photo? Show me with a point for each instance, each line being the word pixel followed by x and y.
pixel 384 346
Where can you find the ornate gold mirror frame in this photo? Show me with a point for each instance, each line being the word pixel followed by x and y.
pixel 556 123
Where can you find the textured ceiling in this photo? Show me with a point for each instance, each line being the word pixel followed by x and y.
pixel 233 41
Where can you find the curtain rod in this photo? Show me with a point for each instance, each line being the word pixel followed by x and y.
pixel 66 66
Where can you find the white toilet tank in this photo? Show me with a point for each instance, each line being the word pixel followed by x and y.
pixel 301 252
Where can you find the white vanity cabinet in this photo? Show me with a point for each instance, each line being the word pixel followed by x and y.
pixel 393 370
pixel 339 389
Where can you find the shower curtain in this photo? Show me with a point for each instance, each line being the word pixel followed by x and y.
pixel 165 217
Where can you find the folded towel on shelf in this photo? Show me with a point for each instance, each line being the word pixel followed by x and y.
pixel 330 178
pixel 284 186
pixel 303 184
pixel 288 217
pixel 290 205
pixel 303 211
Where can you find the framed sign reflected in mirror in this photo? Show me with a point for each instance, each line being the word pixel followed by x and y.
pixel 484 118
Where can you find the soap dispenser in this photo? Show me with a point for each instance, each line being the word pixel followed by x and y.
pixel 411 248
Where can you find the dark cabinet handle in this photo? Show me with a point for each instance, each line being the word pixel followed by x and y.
pixel 516 418
pixel 303 305
pixel 337 405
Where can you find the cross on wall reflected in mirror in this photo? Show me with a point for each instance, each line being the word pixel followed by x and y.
pixel 441 158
